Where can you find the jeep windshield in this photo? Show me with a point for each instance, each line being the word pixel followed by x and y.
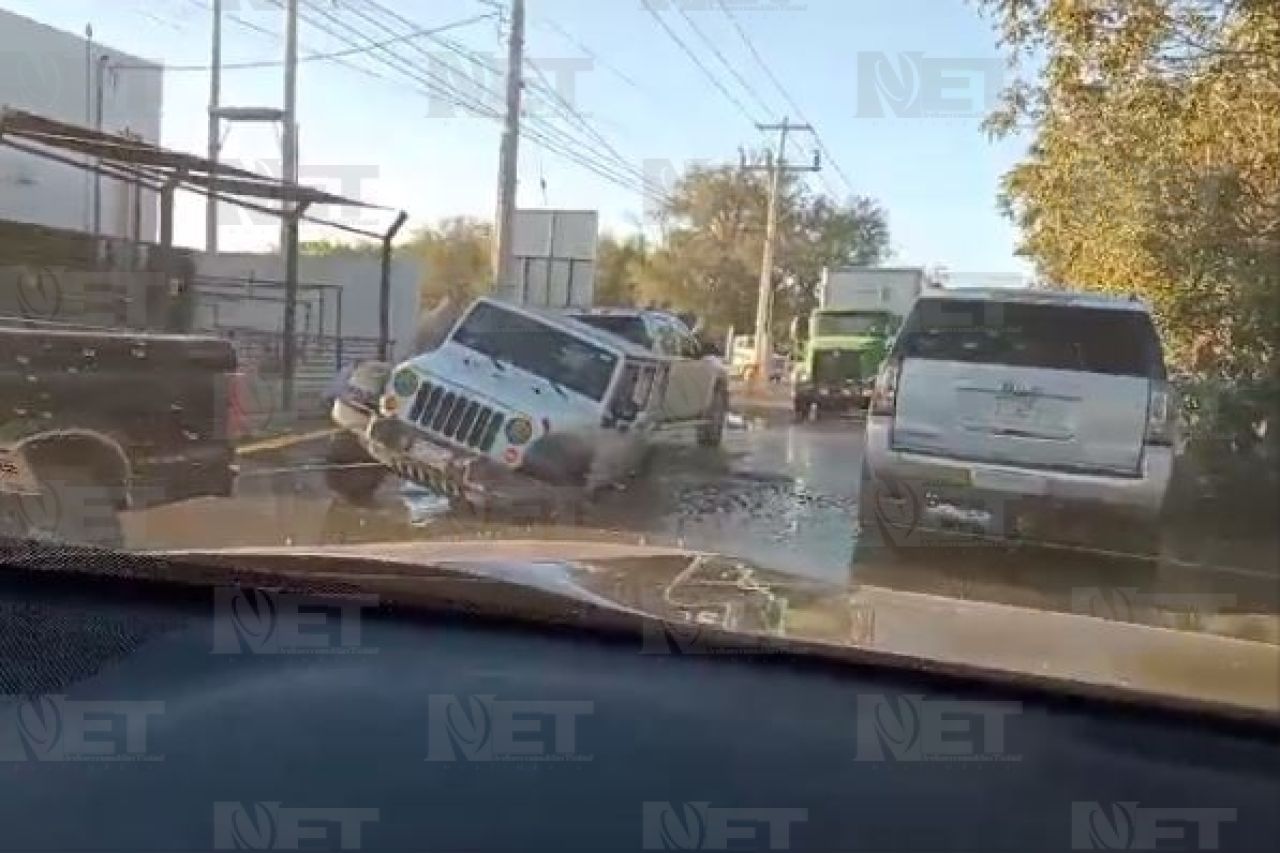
pixel 835 325
pixel 514 338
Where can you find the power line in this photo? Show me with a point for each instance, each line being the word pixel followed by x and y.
pixel 742 81
pixel 614 163
pixel 435 86
pixel 822 146
pixel 715 81
pixel 595 57
pixel 315 57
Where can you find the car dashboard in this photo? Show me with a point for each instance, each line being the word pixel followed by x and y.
pixel 143 717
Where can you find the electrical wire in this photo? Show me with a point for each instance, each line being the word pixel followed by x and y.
pixel 693 57
pixel 317 57
pixel 614 166
pixel 711 45
pixel 822 146
pixel 435 86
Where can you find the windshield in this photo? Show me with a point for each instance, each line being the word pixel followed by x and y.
pixel 971 300
pixel 628 328
pixel 539 348
pixel 832 325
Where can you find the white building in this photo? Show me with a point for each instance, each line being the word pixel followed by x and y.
pixel 61 75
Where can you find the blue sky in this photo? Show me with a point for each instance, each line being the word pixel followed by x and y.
pixel 895 87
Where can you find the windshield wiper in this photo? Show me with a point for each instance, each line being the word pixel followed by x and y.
pixel 497 362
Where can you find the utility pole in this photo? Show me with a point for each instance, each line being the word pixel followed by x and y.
pixel 504 221
pixel 776 166
pixel 215 129
pixel 290 136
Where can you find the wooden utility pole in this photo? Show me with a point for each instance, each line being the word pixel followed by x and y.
pixel 289 138
pixel 776 166
pixel 504 285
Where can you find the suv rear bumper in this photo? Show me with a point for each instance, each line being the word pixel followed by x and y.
pixel 934 493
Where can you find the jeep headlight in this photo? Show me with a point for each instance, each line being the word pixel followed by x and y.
pixel 519 431
pixel 405 382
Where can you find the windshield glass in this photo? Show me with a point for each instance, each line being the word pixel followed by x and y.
pixel 853 324
pixel 1118 342
pixel 971 300
pixel 539 348
pixel 628 328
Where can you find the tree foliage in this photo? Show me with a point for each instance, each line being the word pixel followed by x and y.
pixel 1155 165
pixel 708 261
pixel 455 258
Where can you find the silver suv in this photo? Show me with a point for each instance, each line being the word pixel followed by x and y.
pixel 1042 416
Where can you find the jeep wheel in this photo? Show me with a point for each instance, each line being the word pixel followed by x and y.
pixel 711 433
pixel 70 507
pixel 351 473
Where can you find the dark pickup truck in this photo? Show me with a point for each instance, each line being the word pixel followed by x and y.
pixel 95 422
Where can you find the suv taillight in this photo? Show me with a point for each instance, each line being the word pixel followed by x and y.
pixel 1162 414
pixel 884 397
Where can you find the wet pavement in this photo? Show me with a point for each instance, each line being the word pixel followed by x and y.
pixel 779 494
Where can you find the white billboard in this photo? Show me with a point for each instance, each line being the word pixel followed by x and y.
pixel 555 257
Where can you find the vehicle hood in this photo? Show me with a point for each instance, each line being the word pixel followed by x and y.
pixel 508 386
pixel 700 602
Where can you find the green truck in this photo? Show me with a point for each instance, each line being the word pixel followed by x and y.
pixel 848 335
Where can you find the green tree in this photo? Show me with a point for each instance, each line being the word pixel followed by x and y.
pixel 455 258
pixel 714 221
pixel 620 263
pixel 1155 165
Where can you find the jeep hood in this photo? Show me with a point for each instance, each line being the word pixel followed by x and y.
pixel 732 603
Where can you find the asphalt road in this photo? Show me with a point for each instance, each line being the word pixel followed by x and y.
pixel 779 494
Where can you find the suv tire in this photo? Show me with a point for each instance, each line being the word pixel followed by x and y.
pixel 353 475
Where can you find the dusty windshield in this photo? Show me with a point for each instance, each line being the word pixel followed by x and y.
pixel 543 350
pixel 977 301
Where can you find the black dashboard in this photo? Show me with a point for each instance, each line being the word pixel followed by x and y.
pixel 135 719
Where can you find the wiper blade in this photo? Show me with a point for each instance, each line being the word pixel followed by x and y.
pixel 497 362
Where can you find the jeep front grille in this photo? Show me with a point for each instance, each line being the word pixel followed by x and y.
pixel 456 417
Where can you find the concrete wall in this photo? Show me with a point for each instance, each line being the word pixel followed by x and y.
pixel 355 278
pixel 43 70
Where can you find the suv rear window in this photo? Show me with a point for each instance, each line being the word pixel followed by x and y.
pixel 1059 337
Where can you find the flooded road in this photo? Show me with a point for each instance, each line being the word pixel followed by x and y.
pixel 778 494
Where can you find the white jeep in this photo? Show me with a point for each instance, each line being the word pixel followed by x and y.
pixel 515 400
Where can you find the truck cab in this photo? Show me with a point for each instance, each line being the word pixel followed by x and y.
pixel 840 359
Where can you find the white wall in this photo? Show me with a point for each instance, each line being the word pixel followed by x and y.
pixel 359 278
pixel 43 70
